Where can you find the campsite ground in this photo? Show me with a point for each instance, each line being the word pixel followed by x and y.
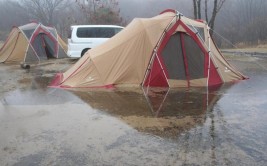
pixel 128 126
pixel 255 50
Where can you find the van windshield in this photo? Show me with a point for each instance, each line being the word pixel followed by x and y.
pixel 97 32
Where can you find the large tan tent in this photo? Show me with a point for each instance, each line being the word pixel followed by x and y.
pixel 168 50
pixel 32 43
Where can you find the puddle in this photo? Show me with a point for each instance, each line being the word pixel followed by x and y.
pixel 220 126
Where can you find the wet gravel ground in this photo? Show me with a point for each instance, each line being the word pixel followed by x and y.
pixel 132 126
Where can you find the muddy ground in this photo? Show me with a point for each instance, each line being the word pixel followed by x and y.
pixel 225 125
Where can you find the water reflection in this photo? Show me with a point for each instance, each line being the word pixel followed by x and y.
pixel 182 102
pixel 158 111
pixel 38 97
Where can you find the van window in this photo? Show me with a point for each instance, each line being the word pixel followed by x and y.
pixel 97 32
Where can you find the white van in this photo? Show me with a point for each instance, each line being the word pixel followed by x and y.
pixel 84 37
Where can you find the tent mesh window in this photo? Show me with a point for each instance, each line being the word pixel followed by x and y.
pixel 195 58
pixel 28 33
pixel 38 46
pixel 30 56
pixel 44 46
pixel 173 58
pixel 180 60
pixel 198 30
pixel 49 46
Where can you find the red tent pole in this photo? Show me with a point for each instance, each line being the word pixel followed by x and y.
pixel 209 59
pixel 185 60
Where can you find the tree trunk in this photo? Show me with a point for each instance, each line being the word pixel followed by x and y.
pixel 206 11
pixel 195 8
pixel 214 13
pixel 199 9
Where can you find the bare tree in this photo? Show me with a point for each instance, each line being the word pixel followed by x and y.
pixel 243 23
pixel 43 10
pixel 216 7
pixel 100 11
pixel 197 9
pixel 67 17
pixel 240 21
pixel 9 12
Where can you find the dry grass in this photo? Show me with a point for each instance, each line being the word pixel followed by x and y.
pixel 262 48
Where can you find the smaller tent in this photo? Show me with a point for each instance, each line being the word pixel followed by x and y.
pixel 32 43
pixel 168 50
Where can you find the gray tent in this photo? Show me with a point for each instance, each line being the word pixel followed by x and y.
pixel 32 43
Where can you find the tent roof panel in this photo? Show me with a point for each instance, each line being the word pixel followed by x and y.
pixel 29 26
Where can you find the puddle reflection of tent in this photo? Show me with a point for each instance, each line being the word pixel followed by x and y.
pixel 161 112
pixel 165 102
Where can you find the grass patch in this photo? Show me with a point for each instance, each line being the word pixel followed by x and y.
pixel 260 50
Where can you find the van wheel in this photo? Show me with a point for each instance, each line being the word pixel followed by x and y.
pixel 84 51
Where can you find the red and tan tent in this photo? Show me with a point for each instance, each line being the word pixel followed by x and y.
pixel 168 50
pixel 32 43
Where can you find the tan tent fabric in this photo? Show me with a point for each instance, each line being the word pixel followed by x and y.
pixel 12 51
pixel 19 46
pixel 62 43
pixel 125 58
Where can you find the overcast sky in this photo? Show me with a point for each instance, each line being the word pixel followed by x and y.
pixel 148 8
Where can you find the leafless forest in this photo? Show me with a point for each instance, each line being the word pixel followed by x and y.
pixel 242 22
